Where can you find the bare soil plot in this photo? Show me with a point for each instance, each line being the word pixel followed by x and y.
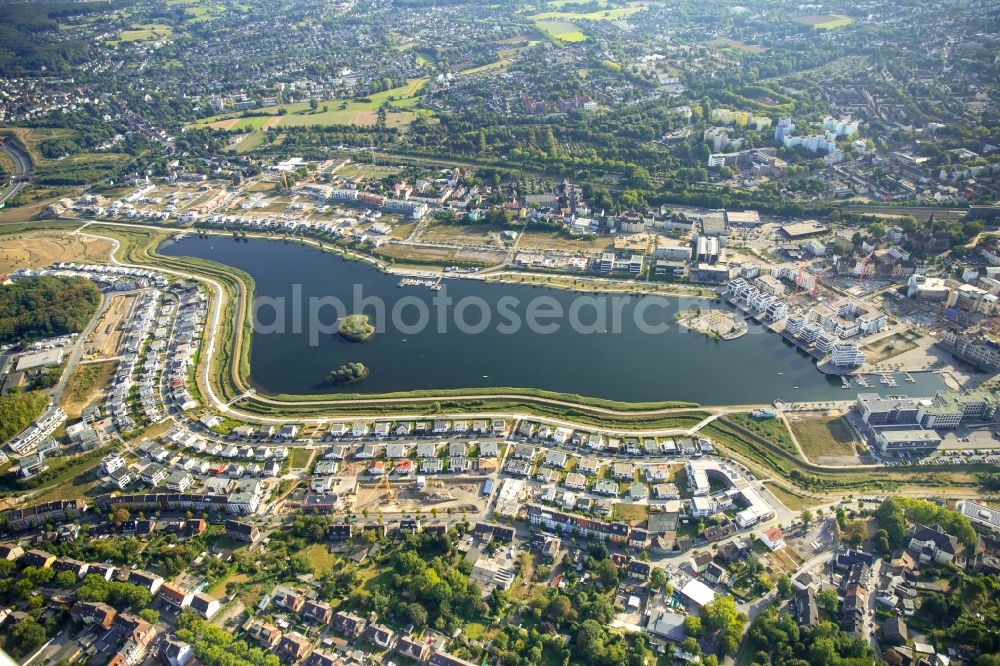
pixel 107 334
pixel 86 385
pixel 461 234
pixel 37 250
pixel 224 124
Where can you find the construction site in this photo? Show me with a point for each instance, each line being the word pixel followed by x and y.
pixel 105 340
pixel 418 495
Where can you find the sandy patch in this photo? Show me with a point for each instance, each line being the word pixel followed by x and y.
pixel 271 122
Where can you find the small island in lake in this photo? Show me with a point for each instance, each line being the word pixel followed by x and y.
pixel 349 373
pixel 356 327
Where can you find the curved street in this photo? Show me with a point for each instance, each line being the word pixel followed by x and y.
pixel 22 169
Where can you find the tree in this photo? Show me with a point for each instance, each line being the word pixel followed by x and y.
pixel 416 615
pixel 657 578
pixel 692 626
pixel 607 573
pixel 722 618
pixel 785 587
pixel 856 532
pixel 119 516
pixel 26 636
pixel 559 609
pixel 807 517
pixel 828 601
pixel 150 615
pixel 66 579
pixel 314 104
pixel 880 542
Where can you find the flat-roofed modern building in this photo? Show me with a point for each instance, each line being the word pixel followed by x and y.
pixel 891 410
pixel 907 440
pixel 983 517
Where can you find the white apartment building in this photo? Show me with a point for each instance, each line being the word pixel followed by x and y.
pixel 847 354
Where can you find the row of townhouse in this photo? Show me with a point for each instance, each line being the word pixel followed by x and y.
pixel 166 462
pixel 37 514
pixel 154 584
pixel 183 345
pixel 386 429
pixel 568 523
pixel 139 330
pixel 603 443
pixel 199 445
pixel 96 271
pixel 246 498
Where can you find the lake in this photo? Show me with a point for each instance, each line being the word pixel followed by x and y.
pixel 599 357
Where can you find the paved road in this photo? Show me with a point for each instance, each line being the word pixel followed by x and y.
pixel 22 166
pixel 77 349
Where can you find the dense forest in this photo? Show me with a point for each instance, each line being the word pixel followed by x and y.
pixel 29 41
pixel 45 307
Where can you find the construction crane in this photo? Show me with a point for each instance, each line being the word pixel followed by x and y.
pixel 384 484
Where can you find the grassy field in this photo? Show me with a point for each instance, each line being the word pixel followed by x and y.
pixel 558 25
pixel 401 101
pixel 824 21
pixel 893 345
pixel 821 436
pixel 600 15
pixel 726 43
pixel 440 255
pixel 300 457
pixel 773 430
pixel 319 556
pixel 65 478
pixel 562 31
pixel 561 3
pixel 793 501
pixel 251 141
pixel 540 240
pixel 498 65
pixel 362 170
pixel 630 513
pixel 146 33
